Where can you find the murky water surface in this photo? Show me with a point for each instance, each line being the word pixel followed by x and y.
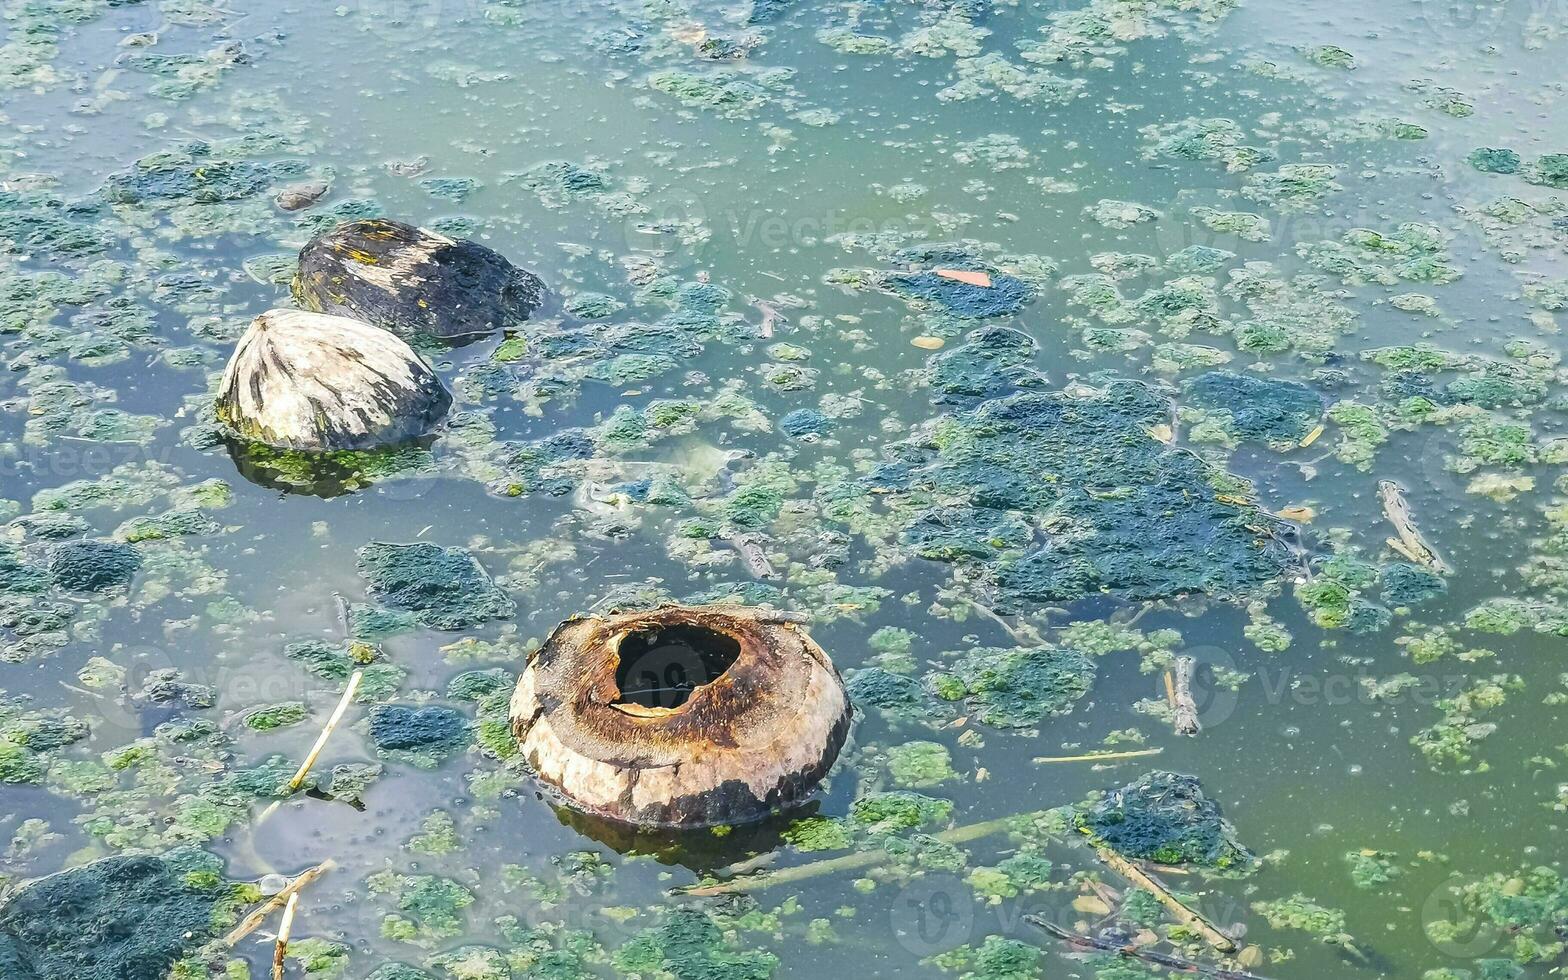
pixel 1325 244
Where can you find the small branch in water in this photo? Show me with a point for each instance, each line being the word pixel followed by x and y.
pixel 1134 952
pixel 844 862
pixel 251 922
pixel 1410 543
pixel 1183 914
pixel 284 929
pixel 1031 638
pixel 321 743
pixel 752 554
pixel 1096 756
pixel 1186 720
pixel 342 605
pixel 326 733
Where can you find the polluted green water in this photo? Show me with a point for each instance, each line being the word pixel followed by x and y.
pixel 1018 349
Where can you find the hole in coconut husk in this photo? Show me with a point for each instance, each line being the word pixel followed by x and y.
pixel 659 668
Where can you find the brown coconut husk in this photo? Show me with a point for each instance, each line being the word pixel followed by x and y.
pixel 754 739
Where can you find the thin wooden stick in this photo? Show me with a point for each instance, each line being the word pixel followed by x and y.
pixel 326 733
pixel 251 922
pixel 284 929
pixel 751 553
pixel 1397 510
pixel 1134 952
pixel 1183 914
pixel 844 862
pixel 1096 756
pixel 1186 720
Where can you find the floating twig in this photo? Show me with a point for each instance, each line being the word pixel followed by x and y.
pixel 1183 914
pixel 752 554
pixel 844 862
pixel 1136 952
pixel 1186 719
pixel 326 733
pixel 1410 543
pixel 284 929
pixel 1096 756
pixel 251 922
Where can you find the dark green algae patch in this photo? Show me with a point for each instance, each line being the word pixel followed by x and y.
pixel 1165 818
pixel 1059 495
pixel 445 588
pixel 130 918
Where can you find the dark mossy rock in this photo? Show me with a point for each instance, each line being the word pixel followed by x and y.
pixel 874 687
pixel 1264 410
pixel 445 588
pixel 93 566
pixel 1165 818
pixel 949 276
pixel 52 527
pixel 804 422
pixel 1405 584
pixel 413 281
pixel 127 918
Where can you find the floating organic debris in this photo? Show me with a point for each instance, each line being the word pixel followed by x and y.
pixel 445 588
pixel 1165 818
pixel 119 917
pixel 680 716
pixel 1016 688
pixel 956 282
pixel 1092 500
pixel 93 566
pixel 312 382
pixel 412 281
pixel 1275 413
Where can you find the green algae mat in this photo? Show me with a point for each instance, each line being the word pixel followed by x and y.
pixel 1072 370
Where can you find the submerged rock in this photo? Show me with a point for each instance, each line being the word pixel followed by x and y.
pixel 308 381
pixel 413 281
pixel 127 917
pixel 93 566
pixel 445 588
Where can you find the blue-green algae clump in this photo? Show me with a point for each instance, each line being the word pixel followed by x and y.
pixel 119 917
pixel 445 588
pixel 1082 499
pixel 1165 818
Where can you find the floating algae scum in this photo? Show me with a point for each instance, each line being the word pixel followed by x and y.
pixel 1152 412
